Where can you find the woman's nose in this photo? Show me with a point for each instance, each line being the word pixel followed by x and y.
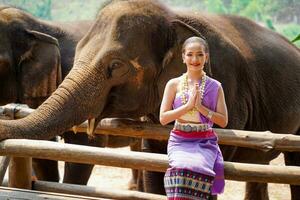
pixel 194 59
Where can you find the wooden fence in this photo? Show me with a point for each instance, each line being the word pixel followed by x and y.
pixel 21 151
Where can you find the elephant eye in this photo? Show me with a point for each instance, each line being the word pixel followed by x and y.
pixel 115 64
pixel 117 68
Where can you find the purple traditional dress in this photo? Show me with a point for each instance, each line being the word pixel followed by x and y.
pixel 196 166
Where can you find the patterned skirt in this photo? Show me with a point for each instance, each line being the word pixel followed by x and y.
pixel 196 166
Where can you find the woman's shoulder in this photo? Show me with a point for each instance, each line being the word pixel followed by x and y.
pixel 213 82
pixel 173 82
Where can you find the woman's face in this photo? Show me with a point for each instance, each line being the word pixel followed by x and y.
pixel 194 56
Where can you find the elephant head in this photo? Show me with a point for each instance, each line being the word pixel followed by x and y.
pixel 116 70
pixel 122 64
pixel 29 60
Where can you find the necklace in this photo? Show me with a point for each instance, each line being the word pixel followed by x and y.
pixel 185 90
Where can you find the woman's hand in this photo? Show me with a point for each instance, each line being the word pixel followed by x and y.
pixel 220 116
pixel 198 102
pixel 167 114
pixel 193 97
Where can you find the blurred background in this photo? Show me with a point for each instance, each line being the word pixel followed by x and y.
pixel 282 16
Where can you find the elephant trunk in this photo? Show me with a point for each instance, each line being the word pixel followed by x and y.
pixel 69 105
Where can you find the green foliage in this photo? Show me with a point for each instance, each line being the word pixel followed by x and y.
pixel 270 25
pixel 290 31
pixel 237 6
pixel 215 6
pixel 190 4
pixel 72 10
pixel 43 9
pixel 253 10
pixel 296 38
pixel 258 10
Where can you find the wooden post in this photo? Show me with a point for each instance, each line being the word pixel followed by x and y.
pixel 20 169
pixel 4 161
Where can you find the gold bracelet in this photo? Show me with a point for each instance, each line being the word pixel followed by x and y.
pixel 210 114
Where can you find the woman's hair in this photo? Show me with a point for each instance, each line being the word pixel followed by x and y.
pixel 195 39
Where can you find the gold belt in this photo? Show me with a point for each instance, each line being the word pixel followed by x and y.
pixel 187 127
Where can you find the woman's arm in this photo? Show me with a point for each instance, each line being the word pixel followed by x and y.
pixel 220 117
pixel 168 115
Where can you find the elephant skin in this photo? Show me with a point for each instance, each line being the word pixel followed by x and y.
pixel 123 63
pixel 35 56
pixel 40 68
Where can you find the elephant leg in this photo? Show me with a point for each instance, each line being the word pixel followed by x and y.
pixel 77 173
pixel 153 182
pixel 136 174
pixel 46 170
pixel 140 181
pixel 256 191
pixel 293 158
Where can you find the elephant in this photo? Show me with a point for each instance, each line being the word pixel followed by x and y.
pixel 30 69
pixel 35 56
pixel 133 48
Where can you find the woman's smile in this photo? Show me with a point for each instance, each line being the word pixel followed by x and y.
pixel 195 64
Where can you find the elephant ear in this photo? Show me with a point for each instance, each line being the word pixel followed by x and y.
pixel 173 65
pixel 39 70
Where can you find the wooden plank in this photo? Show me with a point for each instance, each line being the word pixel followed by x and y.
pixel 95 191
pixel 83 154
pixel 13 193
pixel 263 140
pixel 139 160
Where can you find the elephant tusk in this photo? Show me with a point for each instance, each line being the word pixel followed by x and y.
pixel 75 129
pixel 91 126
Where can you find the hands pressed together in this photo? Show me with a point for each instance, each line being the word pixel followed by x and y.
pixel 195 98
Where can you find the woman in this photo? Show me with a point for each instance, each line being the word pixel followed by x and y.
pixel 195 101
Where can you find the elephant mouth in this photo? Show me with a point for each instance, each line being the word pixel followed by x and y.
pixel 111 109
pixel 92 122
pixel 91 126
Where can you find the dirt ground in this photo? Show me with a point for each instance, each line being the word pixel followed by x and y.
pixel 113 177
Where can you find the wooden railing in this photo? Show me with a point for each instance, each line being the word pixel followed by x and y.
pixel 24 150
pixel 263 140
